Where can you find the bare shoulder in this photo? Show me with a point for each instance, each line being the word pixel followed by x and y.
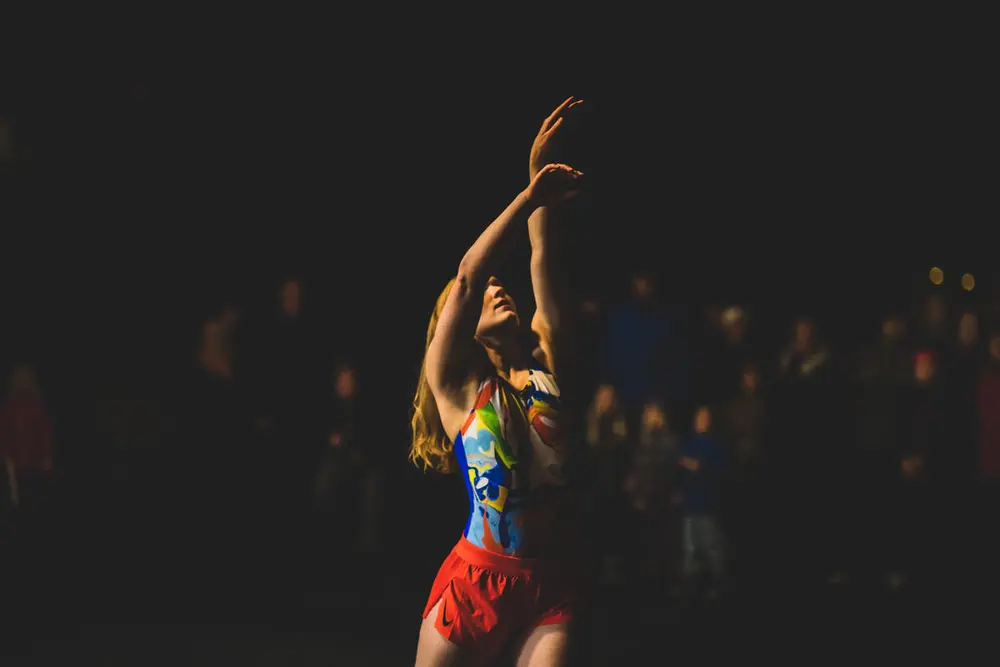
pixel 455 404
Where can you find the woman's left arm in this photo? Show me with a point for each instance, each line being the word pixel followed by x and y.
pixel 548 276
pixel 548 281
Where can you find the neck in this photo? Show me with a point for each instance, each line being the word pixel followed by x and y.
pixel 507 359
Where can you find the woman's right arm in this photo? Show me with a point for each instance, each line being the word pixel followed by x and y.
pixel 448 353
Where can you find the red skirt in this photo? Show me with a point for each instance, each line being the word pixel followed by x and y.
pixel 487 599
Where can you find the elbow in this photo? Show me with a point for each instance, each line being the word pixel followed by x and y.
pixel 465 269
pixel 466 277
pixel 461 280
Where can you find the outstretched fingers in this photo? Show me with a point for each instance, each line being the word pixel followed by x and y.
pixel 550 123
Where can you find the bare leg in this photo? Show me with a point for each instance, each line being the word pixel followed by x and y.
pixel 545 646
pixel 433 650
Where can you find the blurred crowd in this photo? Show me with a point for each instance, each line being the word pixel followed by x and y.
pixel 248 464
pixel 715 463
pixel 721 464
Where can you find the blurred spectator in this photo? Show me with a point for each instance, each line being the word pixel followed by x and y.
pixel 743 426
pixel 933 331
pixel 965 364
pixel 644 351
pixel 806 446
pixel 725 352
pixel 213 449
pixel 652 485
pixel 883 370
pixel 288 387
pixel 702 462
pixel 217 350
pixel 923 439
pixel 885 373
pixel 349 482
pixel 607 436
pixel 26 440
pixel 929 427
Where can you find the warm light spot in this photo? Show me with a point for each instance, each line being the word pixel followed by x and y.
pixel 968 282
pixel 937 276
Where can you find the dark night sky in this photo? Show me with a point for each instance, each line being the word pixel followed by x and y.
pixel 782 177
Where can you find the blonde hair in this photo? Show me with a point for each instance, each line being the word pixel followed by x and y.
pixel 431 447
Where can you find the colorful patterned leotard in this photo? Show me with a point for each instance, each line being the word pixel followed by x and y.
pixel 512 453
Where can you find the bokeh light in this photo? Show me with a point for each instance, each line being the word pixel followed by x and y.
pixel 968 282
pixel 937 276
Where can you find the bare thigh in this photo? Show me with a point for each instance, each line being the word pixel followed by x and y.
pixel 433 650
pixel 545 646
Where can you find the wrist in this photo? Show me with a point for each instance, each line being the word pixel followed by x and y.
pixel 528 199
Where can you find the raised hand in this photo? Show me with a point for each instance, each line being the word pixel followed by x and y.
pixel 554 183
pixel 541 147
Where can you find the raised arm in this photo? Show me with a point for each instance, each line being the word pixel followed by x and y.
pixel 548 276
pixel 448 353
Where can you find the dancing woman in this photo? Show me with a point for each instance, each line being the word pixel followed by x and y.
pixel 488 406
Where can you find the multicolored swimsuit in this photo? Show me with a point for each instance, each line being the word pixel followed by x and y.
pixel 512 453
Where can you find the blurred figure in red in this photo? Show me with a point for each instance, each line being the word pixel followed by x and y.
pixel 988 399
pixel 988 404
pixel 25 438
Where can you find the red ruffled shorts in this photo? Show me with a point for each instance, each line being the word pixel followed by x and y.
pixel 487 599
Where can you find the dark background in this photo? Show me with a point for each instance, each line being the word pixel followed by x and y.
pixel 159 181
pixel 166 176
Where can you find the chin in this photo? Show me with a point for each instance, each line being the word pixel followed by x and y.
pixel 507 323
pixel 510 319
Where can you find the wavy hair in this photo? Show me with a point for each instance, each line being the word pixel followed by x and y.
pixel 431 447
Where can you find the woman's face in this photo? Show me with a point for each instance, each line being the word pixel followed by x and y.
pixel 499 312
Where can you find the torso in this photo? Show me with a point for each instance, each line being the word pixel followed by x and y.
pixel 512 454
